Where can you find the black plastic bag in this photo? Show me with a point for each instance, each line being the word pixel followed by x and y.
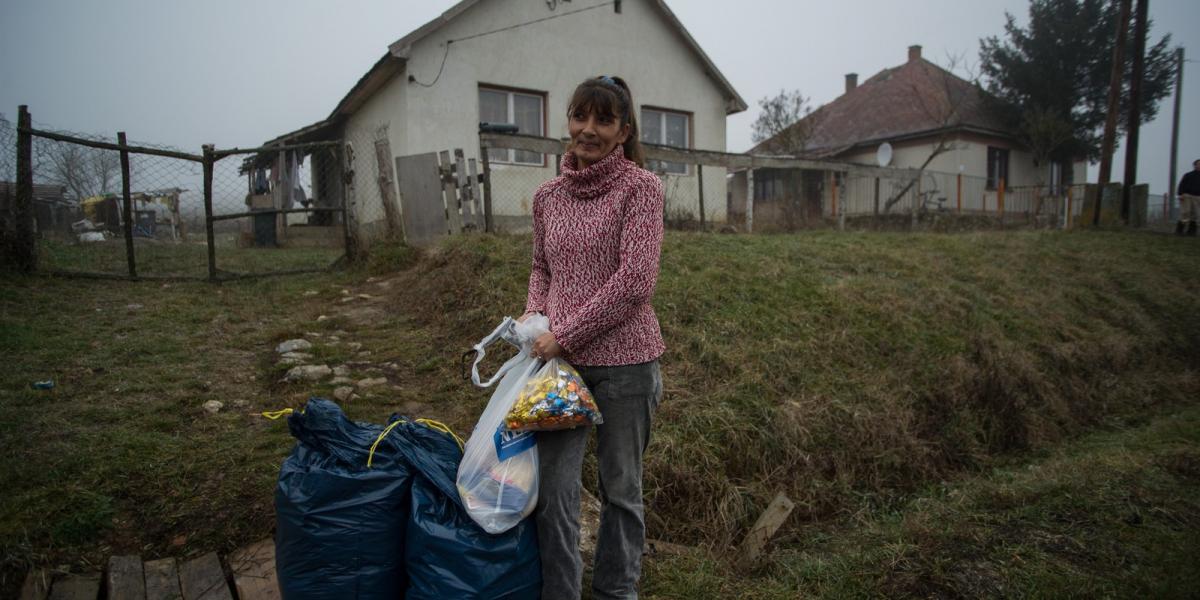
pixel 340 524
pixel 448 555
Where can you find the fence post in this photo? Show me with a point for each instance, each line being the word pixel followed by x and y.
pixel 1000 199
pixel 958 196
pixel 833 199
pixel 1067 217
pixel 749 199
pixel 916 200
pixel 25 250
pixel 351 249
pixel 488 226
pixel 208 211
pixel 127 206
pixel 700 182
pixel 877 196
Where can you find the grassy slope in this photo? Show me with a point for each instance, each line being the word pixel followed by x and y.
pixel 849 370
pixel 1114 514
pixel 852 371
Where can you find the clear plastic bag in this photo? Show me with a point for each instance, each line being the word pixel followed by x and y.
pixel 498 476
pixel 555 398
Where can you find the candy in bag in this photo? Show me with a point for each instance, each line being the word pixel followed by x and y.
pixel 555 398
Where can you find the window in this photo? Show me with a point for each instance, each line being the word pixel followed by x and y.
pixel 521 109
pixel 668 129
pixel 997 167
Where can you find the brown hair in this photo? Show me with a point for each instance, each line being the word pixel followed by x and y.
pixel 608 95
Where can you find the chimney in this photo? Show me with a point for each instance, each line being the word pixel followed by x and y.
pixel 851 82
pixel 914 53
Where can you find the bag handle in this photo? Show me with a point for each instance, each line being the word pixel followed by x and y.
pixel 503 331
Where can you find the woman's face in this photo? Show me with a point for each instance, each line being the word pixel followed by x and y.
pixel 594 136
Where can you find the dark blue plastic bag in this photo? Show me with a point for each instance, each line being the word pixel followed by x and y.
pixel 340 525
pixel 448 555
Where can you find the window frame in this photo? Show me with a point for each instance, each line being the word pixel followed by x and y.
pixel 996 154
pixel 688 133
pixel 510 92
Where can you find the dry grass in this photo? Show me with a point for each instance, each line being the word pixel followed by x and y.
pixel 849 370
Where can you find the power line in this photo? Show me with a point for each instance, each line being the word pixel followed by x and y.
pixel 445 54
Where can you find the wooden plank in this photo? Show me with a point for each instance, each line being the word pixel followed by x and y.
pixel 254 571
pixel 421 198
pixel 162 580
pixel 76 587
pixel 386 181
pixel 126 581
pixel 476 199
pixel 203 579
pixel 450 194
pixel 37 585
pixel 464 190
pixel 768 523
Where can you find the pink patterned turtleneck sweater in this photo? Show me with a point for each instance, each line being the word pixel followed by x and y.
pixel 597 236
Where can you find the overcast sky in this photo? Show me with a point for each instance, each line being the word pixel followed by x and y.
pixel 234 72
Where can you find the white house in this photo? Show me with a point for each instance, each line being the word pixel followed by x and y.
pixel 518 61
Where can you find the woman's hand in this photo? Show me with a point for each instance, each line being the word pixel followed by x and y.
pixel 546 347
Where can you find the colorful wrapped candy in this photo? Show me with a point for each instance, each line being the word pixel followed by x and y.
pixel 555 398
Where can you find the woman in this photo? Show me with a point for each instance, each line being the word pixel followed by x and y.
pixel 597 235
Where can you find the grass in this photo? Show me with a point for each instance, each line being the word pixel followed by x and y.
pixel 1111 514
pixel 873 377
pixel 183 259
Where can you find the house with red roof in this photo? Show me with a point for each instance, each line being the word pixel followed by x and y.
pixel 917 115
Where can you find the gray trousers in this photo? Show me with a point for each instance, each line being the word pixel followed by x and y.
pixel 627 397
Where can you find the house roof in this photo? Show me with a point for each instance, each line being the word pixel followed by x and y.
pixel 398 53
pixel 914 100
pixel 734 102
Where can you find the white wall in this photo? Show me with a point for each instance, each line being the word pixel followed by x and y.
pixel 550 57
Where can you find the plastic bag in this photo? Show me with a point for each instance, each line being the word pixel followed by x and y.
pixel 446 553
pixel 497 479
pixel 555 398
pixel 340 524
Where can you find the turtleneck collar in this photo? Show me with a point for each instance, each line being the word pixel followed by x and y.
pixel 597 178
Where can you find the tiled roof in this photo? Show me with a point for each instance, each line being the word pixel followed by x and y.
pixel 914 99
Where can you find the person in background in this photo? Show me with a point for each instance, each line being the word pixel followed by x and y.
pixel 597 237
pixel 1189 198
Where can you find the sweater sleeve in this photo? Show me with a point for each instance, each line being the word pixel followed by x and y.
pixel 539 275
pixel 632 284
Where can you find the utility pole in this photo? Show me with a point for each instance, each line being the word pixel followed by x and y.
pixel 1175 129
pixel 1135 106
pixel 1114 96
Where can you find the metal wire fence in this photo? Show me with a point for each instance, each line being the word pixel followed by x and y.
pixel 694 192
pixel 103 205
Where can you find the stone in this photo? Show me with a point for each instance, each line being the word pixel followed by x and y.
pixel 310 293
pixel 343 393
pixel 213 406
pixel 341 371
pixel 134 306
pixel 240 403
pixel 372 382
pixel 322 318
pixel 308 373
pixel 312 334
pixel 293 345
pixel 300 356
pixel 341 381
pixel 340 333
pixel 354 346
pixel 363 354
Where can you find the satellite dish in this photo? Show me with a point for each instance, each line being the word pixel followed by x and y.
pixel 884 154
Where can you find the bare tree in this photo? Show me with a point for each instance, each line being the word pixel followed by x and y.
pixel 786 125
pixel 782 125
pixel 83 170
pixel 952 96
pixel 1046 134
